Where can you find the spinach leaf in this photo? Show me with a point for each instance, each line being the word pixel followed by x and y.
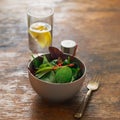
pixel 41 74
pixel 36 62
pixel 63 75
pixel 66 61
pixel 75 73
pixel 49 77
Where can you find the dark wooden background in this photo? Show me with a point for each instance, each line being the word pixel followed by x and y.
pixel 95 26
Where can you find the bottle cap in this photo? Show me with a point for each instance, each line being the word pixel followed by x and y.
pixel 69 47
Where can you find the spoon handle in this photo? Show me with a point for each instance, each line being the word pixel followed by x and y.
pixel 83 105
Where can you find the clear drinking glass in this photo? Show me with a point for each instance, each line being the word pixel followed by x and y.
pixel 40 27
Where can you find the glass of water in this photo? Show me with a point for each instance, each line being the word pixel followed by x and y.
pixel 40 27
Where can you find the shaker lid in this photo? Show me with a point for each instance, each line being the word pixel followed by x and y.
pixel 68 43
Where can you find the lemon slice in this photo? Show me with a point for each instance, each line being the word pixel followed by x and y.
pixel 41 33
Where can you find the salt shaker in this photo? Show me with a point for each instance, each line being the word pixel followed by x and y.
pixel 69 47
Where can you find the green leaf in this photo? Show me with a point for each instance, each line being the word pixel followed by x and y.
pixel 63 75
pixel 54 62
pixel 41 74
pixel 66 61
pixel 49 77
pixel 36 62
pixel 44 69
pixel 44 65
pixel 52 76
pixel 75 73
pixel 45 60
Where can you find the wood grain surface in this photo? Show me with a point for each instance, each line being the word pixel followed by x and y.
pixel 95 26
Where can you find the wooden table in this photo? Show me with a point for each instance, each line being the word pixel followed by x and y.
pixel 95 26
